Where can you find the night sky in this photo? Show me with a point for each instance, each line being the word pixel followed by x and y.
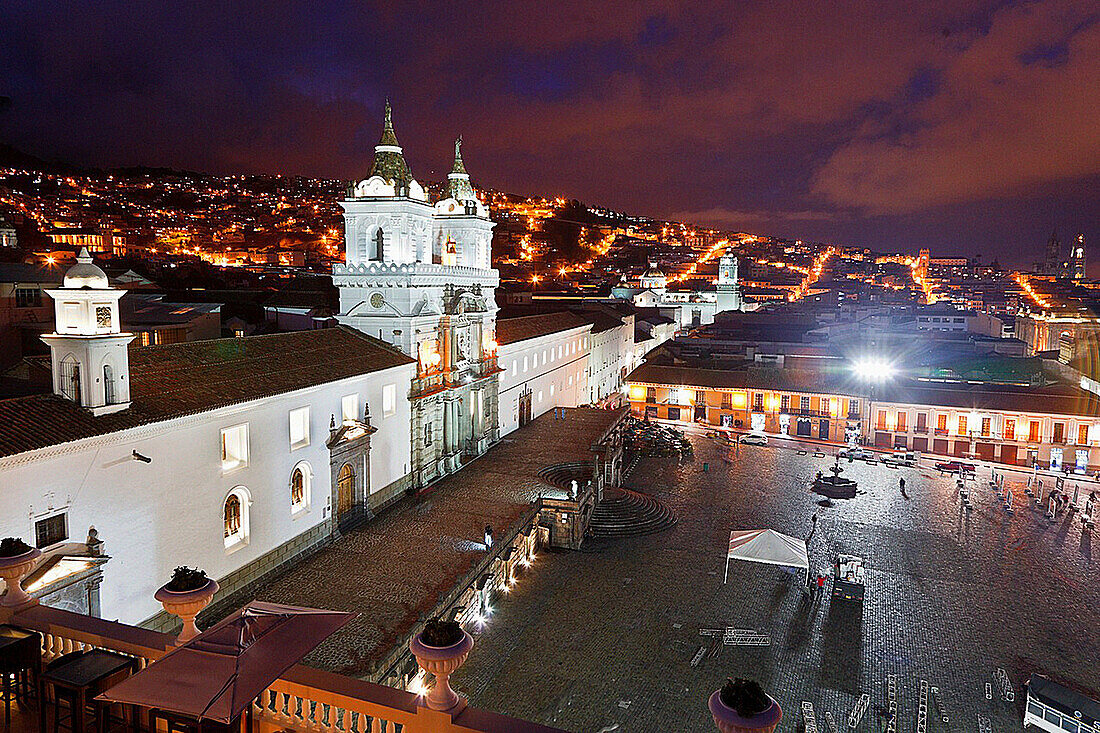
pixel 962 126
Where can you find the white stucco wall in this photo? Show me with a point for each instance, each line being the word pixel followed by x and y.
pixel 155 516
pixel 546 372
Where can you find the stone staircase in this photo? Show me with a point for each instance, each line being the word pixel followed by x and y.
pixel 628 513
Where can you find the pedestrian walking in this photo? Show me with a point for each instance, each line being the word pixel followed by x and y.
pixel 488 536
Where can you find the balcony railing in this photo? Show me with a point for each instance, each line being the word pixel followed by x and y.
pixel 303 699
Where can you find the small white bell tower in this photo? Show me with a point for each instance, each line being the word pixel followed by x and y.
pixel 89 356
pixel 728 285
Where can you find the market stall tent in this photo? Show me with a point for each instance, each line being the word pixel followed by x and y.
pixel 769 547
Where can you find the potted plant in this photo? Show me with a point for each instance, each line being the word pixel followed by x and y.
pixel 188 592
pixel 441 648
pixel 742 705
pixel 16 560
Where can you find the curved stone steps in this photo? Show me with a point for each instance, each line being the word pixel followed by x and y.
pixel 629 514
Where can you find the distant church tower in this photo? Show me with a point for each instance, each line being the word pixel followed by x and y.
pixel 420 277
pixel 728 286
pixel 1077 258
pixel 88 351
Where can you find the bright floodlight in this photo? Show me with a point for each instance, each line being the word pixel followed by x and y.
pixel 874 370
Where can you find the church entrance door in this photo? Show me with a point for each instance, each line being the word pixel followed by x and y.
pixel 345 490
pixel 524 408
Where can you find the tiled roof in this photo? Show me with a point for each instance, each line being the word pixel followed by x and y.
pixel 511 330
pixel 1050 400
pixel 181 379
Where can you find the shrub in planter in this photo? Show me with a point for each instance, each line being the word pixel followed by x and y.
pixel 187 579
pixel 17 558
pixel 13 547
pixel 440 633
pixel 747 697
pixel 742 706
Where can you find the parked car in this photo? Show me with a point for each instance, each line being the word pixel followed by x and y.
pixel 955 467
pixel 856 452
pixel 902 458
pixel 753 439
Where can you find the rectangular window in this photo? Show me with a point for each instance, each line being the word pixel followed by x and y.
pixel 902 421
pixel 987 424
pixel 427 435
pixel 758 401
pixel 700 397
pixel 804 403
pixel 650 394
pixel 299 428
pixel 1033 432
pixel 853 407
pixel 674 413
pixel 389 400
pixel 51 530
pixel 727 401
pixel 28 298
pixel 785 403
pixel 515 365
pixel 962 424
pixel 941 424
pixel 922 422
pixel 880 423
pixel 1010 430
pixel 234 447
pixel 1082 434
pixel 524 363
pixel 827 404
pixel 1059 433
pixel 349 408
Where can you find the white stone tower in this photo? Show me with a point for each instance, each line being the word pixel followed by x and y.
pixel 727 285
pixel 89 356
pixel 420 277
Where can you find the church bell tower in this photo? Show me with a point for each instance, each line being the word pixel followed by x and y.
pixel 88 350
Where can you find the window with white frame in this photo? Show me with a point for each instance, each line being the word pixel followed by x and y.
pixel 524 363
pixel 540 395
pixel 300 479
pixel 235 518
pixel 515 366
pixel 389 400
pixel 299 427
pixel 349 407
pixel 235 447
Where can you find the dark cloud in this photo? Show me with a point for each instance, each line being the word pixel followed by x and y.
pixel 960 126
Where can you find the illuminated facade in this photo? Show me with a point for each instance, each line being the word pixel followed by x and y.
pixel 1056 427
pixel 419 276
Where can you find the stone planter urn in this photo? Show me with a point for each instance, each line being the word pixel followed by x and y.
pixel 442 661
pixel 186 605
pixel 729 720
pixel 13 570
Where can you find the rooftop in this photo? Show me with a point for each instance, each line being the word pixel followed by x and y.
pixel 511 330
pixel 174 380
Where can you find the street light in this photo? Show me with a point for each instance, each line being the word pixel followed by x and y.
pixel 873 371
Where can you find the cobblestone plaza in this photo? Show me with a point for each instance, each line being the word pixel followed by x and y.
pixel 609 638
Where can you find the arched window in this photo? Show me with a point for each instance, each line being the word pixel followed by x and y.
pixel 70 378
pixel 300 488
pixel 235 517
pixel 379 244
pixel 108 385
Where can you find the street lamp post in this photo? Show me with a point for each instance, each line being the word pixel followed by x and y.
pixel 872 371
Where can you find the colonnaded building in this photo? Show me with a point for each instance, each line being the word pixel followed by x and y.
pixel 240 455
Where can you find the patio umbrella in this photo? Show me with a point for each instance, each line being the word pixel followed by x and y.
pixel 216 675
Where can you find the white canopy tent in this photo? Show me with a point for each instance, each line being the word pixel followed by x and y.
pixel 769 547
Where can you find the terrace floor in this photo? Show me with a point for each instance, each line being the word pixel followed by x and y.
pixel 393 570
pixel 608 639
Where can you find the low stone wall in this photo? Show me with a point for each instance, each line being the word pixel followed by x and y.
pixel 235 585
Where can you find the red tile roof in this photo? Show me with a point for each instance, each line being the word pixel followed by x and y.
pixel 181 379
pixel 511 330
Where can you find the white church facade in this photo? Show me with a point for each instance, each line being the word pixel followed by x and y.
pixel 239 455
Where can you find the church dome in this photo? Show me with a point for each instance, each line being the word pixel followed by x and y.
pixel 84 274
